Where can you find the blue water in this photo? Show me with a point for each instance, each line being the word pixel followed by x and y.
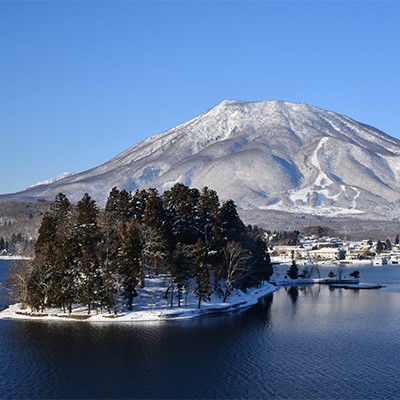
pixel 307 343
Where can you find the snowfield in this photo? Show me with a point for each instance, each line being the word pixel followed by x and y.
pixel 151 305
pixel 269 155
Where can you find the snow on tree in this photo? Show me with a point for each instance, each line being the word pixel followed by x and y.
pixel 202 288
pixel 95 258
pixel 129 260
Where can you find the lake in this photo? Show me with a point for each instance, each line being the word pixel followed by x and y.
pixel 312 342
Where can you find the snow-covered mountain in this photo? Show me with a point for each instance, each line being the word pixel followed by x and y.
pixel 52 180
pixel 270 155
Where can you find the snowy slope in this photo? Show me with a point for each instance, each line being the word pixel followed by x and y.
pixel 264 155
pixel 52 180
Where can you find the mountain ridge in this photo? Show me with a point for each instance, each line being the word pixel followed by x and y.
pixel 270 155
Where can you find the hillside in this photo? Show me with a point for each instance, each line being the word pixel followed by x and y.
pixel 19 225
pixel 267 156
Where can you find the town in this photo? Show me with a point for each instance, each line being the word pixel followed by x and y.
pixel 312 249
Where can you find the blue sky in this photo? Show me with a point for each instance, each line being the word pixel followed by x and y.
pixel 82 81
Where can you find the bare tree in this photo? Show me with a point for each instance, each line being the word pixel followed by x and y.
pixel 235 259
pixel 17 282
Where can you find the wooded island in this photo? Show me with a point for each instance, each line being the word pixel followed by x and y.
pixel 100 258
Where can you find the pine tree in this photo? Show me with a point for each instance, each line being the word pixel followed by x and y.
pixel 181 269
pixel 154 231
pixel 202 289
pixel 153 213
pixel 293 271
pixel 119 207
pixel 138 205
pixel 259 263
pixel 232 225
pixel 87 235
pixel 208 217
pixel 379 246
pixel 89 258
pixel 181 206
pixel 47 267
pixel 129 260
pixel 61 282
pixel 154 247
pixel 118 211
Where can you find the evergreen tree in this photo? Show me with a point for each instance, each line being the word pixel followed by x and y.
pixel 379 246
pixel 259 263
pixel 232 225
pixel 154 247
pixel 118 207
pixel 181 269
pixel 202 289
pixel 69 265
pixel 181 206
pixel 118 211
pixel 61 282
pixel 138 205
pixel 47 269
pixel 37 287
pixel 87 235
pixel 129 260
pixel 154 231
pixel 89 258
pixel 397 240
pixel 293 271
pixel 153 213
pixel 208 218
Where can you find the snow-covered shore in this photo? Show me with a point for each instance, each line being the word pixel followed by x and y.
pixel 14 258
pixel 150 305
pixel 310 281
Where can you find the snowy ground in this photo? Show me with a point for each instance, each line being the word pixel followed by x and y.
pixel 150 305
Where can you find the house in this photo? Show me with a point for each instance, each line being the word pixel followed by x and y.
pixel 326 253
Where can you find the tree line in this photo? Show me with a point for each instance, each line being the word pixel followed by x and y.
pixel 101 258
pixel 17 244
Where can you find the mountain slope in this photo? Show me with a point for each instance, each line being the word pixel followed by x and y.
pixel 264 155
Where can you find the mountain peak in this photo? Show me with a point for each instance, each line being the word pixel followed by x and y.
pixel 265 155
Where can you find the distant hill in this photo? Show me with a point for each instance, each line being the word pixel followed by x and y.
pixel 293 158
pixel 19 225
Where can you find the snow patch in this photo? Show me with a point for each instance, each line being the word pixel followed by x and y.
pixel 306 209
pixel 150 305
pixel 52 180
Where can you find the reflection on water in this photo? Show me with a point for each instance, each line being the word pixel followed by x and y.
pixel 309 342
pixel 293 293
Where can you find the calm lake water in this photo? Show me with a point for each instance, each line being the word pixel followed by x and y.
pixel 306 343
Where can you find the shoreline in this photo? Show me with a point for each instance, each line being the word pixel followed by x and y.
pixel 238 301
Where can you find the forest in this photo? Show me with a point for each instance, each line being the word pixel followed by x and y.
pixel 100 258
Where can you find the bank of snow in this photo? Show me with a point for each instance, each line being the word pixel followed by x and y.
pixel 151 305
